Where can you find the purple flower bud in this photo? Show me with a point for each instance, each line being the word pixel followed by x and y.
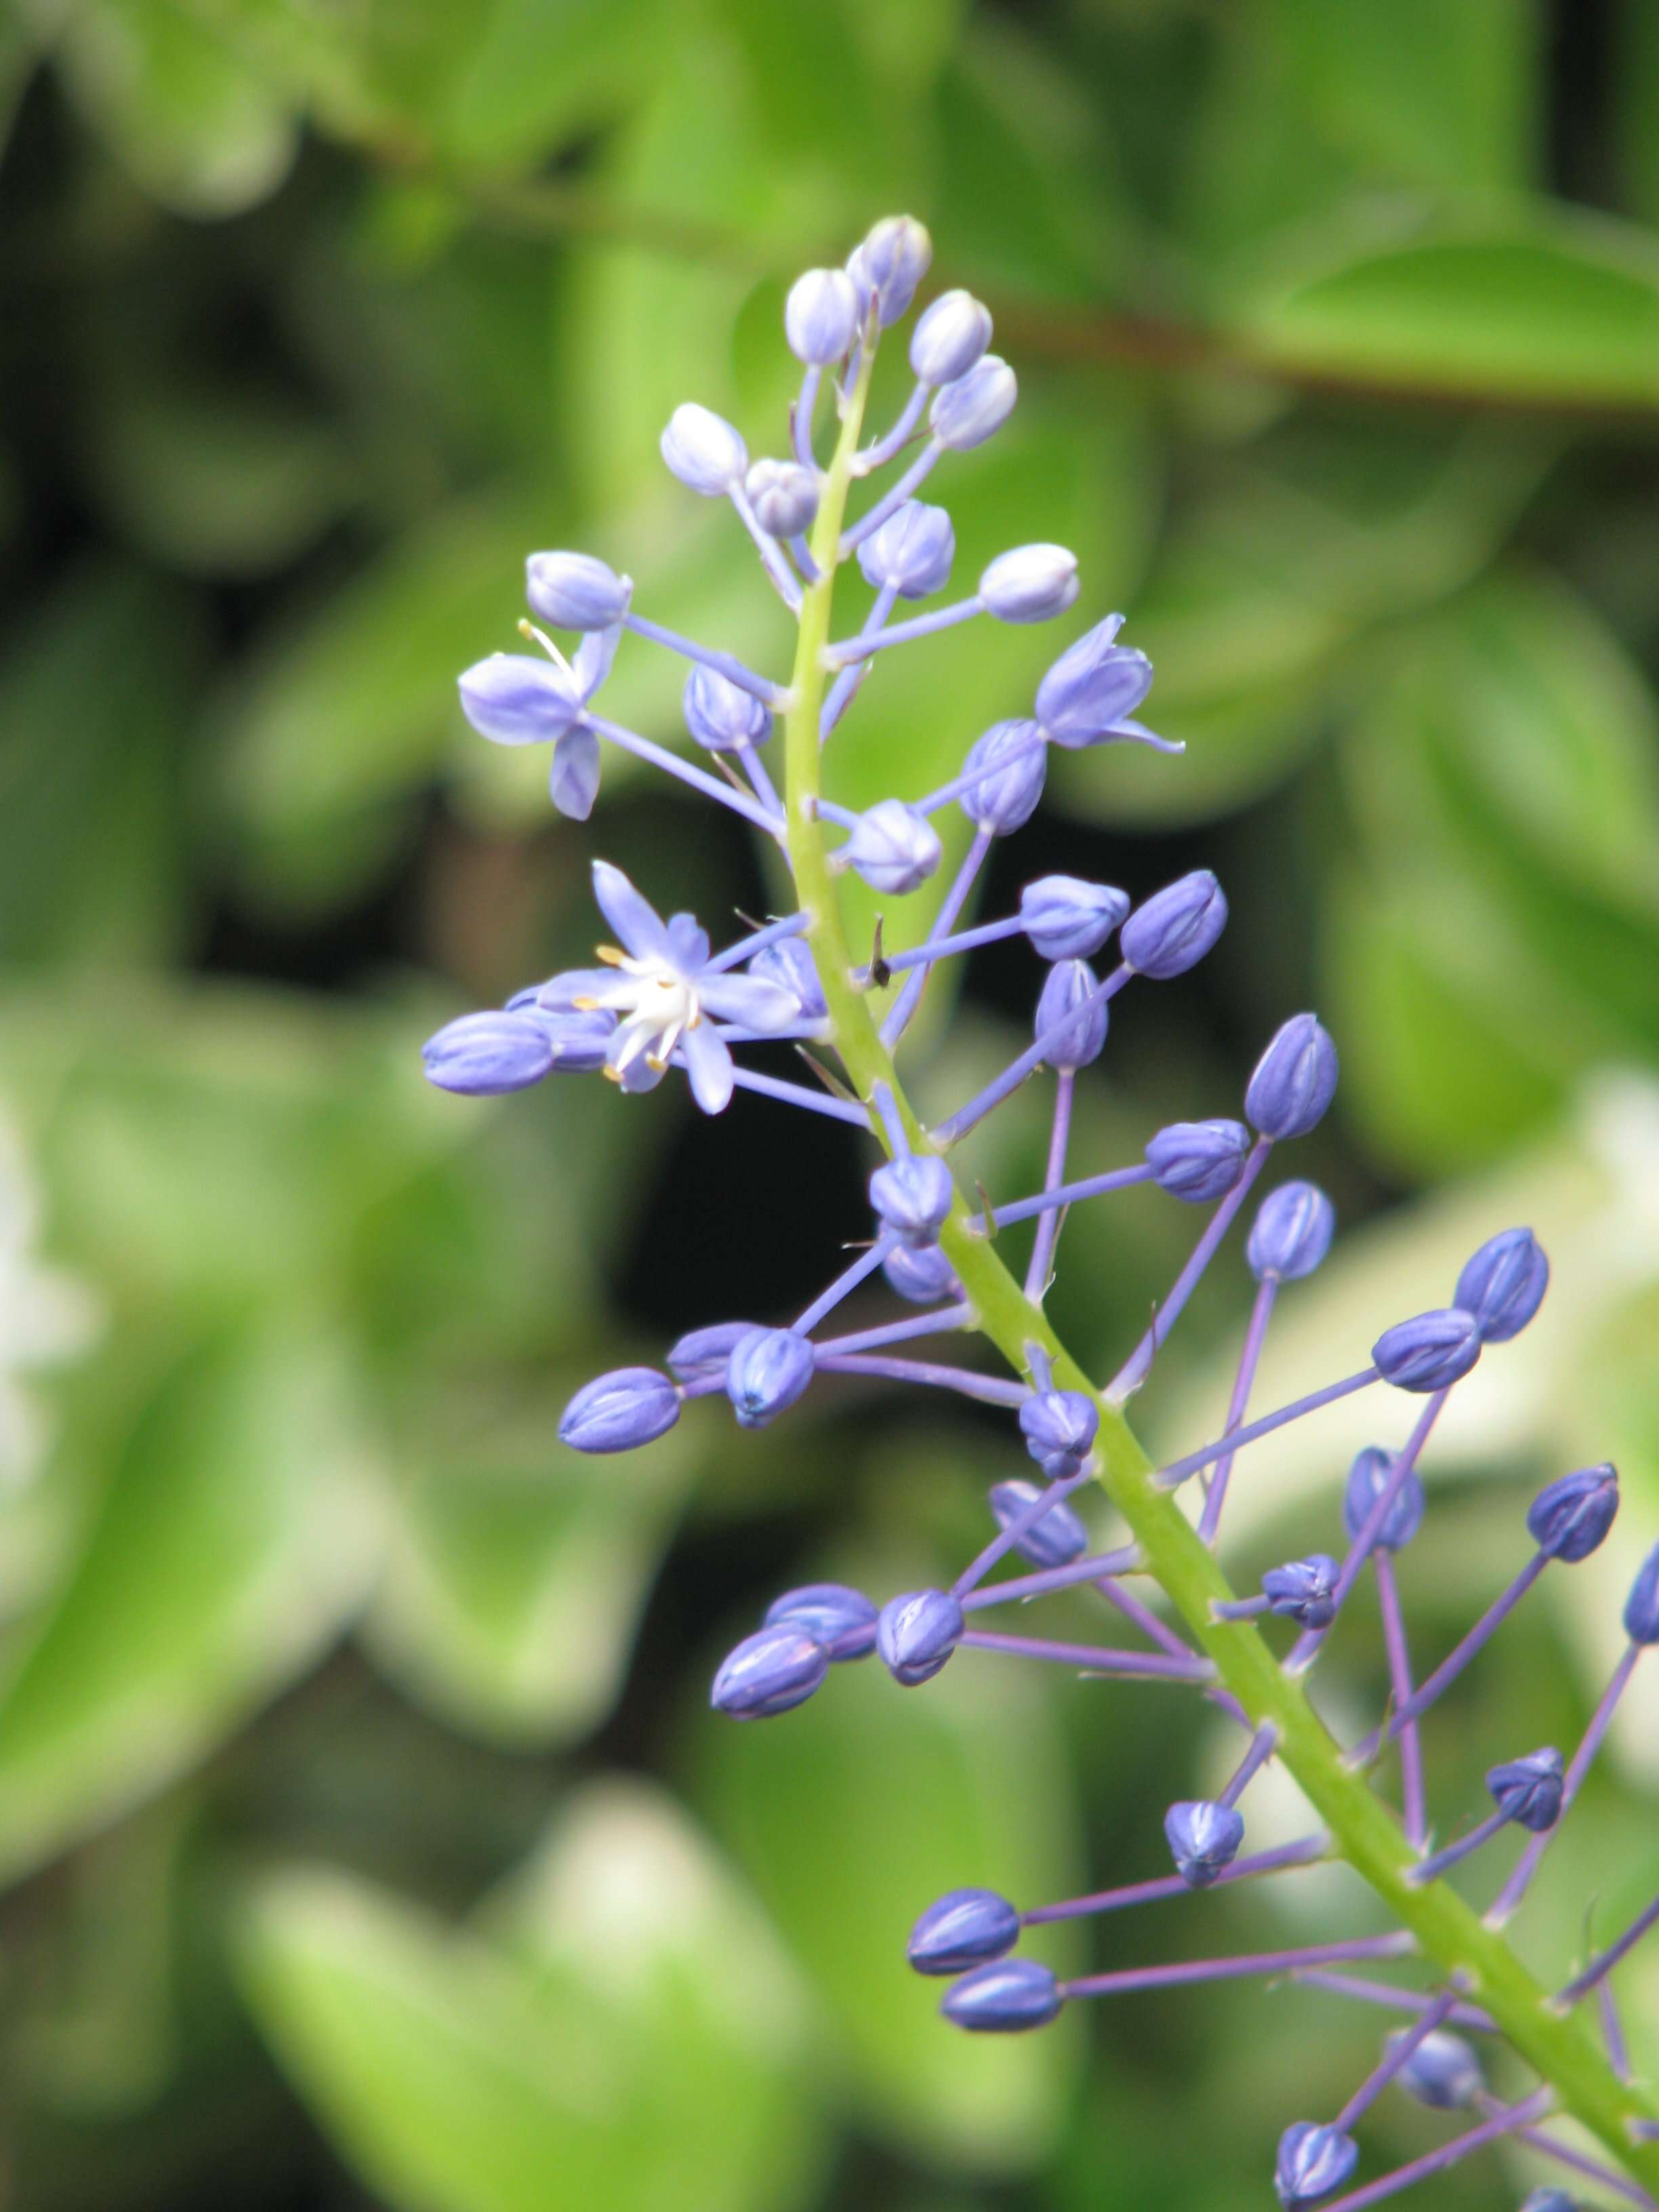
pixel 768 1370
pixel 513 700
pixel 722 717
pixel 1429 1352
pixel 1504 1284
pixel 1442 2071
pixel 482 1055
pixel 573 591
pixel 1550 2200
pixel 1005 802
pixel 1093 686
pixel 1294 1082
pixel 1198 1160
pixel 1068 919
pixel 950 336
pixel 581 1043
pixel 1291 1232
pixel 1305 1591
pixel 702 1355
pixel 703 451
pixel 912 551
pixel 914 1195
pixel 769 1672
pixel 618 1412
pixel 784 496
pixel 821 316
pixel 842 1620
pixel 1031 584
pixel 917 1633
pixel 1368 1478
pixel 892 846
pixel 975 408
pixel 1641 1606
pixel 923 1275
pixel 1204 1839
pixel 1528 1790
pixel 965 1928
pixel 1173 930
pixel 789 964
pixel 890 264
pixel 1071 985
pixel 1571 1515
pixel 1004 1997
pixel 1059 1428
pixel 1312 2161
pixel 1053 1540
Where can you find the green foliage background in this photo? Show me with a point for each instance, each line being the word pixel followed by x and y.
pixel 364 1837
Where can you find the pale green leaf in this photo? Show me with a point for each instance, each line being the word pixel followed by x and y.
pixel 234 1541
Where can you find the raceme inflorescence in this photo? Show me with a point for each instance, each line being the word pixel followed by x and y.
pixel 662 1000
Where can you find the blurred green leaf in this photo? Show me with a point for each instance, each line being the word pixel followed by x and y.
pixel 350 713
pixel 215 482
pixel 1433 96
pixel 199 125
pixel 1506 795
pixel 515 1575
pixel 233 1544
pixel 1026 198
pixel 870 1803
pixel 1304 108
pixel 1547 305
pixel 471 2072
pixel 544 69
pixel 93 694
